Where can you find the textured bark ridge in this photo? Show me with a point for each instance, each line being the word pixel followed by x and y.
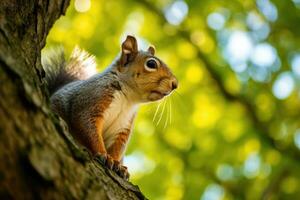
pixel 39 159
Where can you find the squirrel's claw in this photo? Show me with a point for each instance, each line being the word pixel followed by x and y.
pixel 109 162
pixel 101 158
pixel 123 172
pixel 116 166
pixel 105 159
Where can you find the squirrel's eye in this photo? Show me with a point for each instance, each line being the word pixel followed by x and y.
pixel 151 64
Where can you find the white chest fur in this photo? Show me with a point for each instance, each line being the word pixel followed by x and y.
pixel 117 117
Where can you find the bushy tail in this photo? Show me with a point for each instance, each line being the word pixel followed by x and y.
pixel 60 72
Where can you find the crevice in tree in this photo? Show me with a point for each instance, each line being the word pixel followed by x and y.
pixel 2 32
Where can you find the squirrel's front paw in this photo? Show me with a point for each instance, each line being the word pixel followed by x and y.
pixel 121 170
pixel 112 164
pixel 106 160
pixel 124 173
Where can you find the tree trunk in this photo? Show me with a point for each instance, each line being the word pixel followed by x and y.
pixel 39 159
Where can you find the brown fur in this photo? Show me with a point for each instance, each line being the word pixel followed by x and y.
pixel 117 149
pixel 87 103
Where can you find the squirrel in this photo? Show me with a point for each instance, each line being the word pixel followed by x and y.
pixel 100 108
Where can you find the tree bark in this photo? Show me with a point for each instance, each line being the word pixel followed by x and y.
pixel 39 159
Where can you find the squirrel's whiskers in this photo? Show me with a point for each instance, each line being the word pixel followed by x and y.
pixel 178 94
pixel 168 114
pixel 156 111
pixel 170 109
pixel 166 108
pixel 179 101
pixel 162 112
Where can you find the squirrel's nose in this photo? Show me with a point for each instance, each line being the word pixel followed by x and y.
pixel 174 83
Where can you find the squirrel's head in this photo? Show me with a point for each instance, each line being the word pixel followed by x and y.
pixel 148 76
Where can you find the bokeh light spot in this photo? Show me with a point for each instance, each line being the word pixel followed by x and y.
pixel 252 165
pixel 194 74
pixel 82 5
pixel 177 139
pixel 206 113
pixel 177 12
pixel 297 138
pixel 296 64
pixel 240 67
pixel 252 145
pixel 264 55
pixel 225 172
pixel 254 21
pixel 273 157
pixel 213 192
pixel 239 47
pixel 186 50
pixel 268 9
pixel 216 21
pixel 297 3
pixel 283 85
pixel 137 163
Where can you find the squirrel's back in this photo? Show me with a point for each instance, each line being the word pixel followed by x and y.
pixel 60 72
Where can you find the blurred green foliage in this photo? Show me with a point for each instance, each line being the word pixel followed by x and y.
pixel 231 131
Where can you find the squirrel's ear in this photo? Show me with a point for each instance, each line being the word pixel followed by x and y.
pixel 151 50
pixel 129 50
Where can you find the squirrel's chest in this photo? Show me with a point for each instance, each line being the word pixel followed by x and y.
pixel 117 117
